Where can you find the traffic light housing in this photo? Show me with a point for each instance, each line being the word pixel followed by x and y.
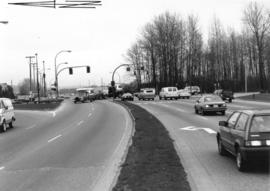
pixel 70 71
pixel 87 69
pixel 128 69
pixel 112 83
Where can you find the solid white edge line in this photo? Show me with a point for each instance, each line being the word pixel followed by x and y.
pixel 52 139
pixel 2 168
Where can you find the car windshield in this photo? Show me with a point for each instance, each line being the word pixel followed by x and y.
pixel 212 98
pixel 260 124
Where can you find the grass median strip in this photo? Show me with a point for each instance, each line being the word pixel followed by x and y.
pixel 152 162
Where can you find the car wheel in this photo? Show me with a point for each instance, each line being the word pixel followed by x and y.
pixel 221 150
pixel 230 100
pixel 196 111
pixel 10 125
pixel 202 112
pixel 4 127
pixel 160 98
pixel 240 162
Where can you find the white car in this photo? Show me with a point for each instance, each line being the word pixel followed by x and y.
pixel 168 93
pixel 184 94
pixel 147 94
pixel 193 89
pixel 7 115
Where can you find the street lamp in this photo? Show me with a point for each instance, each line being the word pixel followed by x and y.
pixel 56 67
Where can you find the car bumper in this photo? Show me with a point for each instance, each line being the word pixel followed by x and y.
pixel 253 153
pixel 215 109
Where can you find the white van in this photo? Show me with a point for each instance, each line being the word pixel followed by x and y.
pixel 168 93
pixel 6 114
pixel 147 93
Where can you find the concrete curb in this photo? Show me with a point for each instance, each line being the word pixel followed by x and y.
pixel 109 178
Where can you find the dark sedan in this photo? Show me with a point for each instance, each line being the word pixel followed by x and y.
pixel 127 96
pixel 246 135
pixel 210 103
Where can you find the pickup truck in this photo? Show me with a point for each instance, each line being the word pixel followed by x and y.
pixel 225 94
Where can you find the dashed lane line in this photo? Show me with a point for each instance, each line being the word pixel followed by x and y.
pixel 2 168
pixel 53 139
pixel 31 127
pixel 81 122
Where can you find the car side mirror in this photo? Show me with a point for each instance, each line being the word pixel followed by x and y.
pixel 223 123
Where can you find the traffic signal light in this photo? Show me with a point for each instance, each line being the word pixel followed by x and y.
pixel 87 69
pixel 112 83
pixel 70 71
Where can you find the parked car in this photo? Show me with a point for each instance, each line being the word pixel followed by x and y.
pixel 7 116
pixel 147 93
pixel 168 93
pixel 127 96
pixel 183 94
pixel 246 135
pixel 193 89
pixel 210 103
pixel 224 94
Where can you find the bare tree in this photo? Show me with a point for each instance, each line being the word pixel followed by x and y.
pixel 258 21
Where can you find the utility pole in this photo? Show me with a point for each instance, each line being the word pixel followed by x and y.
pixel 44 81
pixel 37 79
pixel 30 70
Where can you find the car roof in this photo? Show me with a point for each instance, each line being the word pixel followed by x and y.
pixel 255 111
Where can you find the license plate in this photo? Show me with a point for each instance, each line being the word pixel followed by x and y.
pixel 215 105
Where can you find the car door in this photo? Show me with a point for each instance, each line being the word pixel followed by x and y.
pixel 231 125
pixel 6 112
pixel 238 131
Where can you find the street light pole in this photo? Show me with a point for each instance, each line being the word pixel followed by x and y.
pixel 30 70
pixel 55 69
pixel 37 79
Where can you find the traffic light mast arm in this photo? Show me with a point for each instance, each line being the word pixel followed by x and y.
pixel 117 69
pixel 71 67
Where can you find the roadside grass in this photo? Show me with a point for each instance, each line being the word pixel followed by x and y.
pixel 40 106
pixel 264 97
pixel 152 163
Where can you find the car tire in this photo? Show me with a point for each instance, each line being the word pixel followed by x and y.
pixel 196 111
pixel 160 98
pixel 10 125
pixel 202 112
pixel 221 150
pixel 241 164
pixel 230 100
pixel 3 127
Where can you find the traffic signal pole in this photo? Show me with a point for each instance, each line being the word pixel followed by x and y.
pixel 113 82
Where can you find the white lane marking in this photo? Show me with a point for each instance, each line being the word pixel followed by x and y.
pixel 89 115
pixel 181 110
pixel 31 127
pixel 80 123
pixel 193 128
pixel 53 113
pixel 204 118
pixel 52 139
pixel 2 168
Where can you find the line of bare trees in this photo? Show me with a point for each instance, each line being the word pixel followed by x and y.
pixel 172 52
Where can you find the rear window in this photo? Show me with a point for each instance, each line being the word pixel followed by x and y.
pixel 149 91
pixel 169 89
pixel 174 89
pixel 208 99
pixel 260 123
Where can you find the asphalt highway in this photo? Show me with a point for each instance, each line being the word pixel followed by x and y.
pixel 195 141
pixel 67 149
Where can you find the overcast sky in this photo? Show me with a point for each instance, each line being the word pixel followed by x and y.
pixel 97 37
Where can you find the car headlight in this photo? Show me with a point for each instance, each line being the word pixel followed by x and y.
pixel 207 106
pixel 224 105
pixel 268 142
pixel 255 143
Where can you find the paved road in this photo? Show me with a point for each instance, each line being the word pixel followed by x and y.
pixel 195 139
pixel 68 149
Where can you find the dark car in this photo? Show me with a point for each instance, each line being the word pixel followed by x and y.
pixel 225 94
pixel 246 135
pixel 210 103
pixel 127 96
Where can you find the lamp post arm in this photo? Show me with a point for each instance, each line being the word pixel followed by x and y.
pixel 70 67
pixel 117 69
